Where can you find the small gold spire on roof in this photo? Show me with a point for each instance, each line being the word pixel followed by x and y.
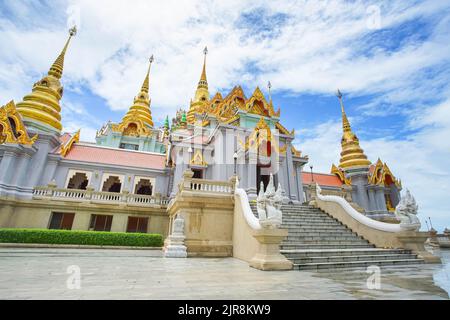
pixel 352 155
pixel 139 113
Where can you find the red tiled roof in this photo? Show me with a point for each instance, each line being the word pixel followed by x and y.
pixel 322 179
pixel 116 157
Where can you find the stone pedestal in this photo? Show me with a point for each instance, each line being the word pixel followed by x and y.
pixel 174 245
pixel 415 241
pixel 268 255
pixel 312 194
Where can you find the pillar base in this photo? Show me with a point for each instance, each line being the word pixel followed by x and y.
pixel 175 247
pixel 415 241
pixel 268 255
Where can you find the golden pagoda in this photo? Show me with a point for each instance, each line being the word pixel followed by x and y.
pixel 41 108
pixel 139 113
pixel 201 98
pixel 351 155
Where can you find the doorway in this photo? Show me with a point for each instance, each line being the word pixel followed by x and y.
pixel 262 175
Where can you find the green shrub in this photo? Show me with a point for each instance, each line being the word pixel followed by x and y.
pixel 44 236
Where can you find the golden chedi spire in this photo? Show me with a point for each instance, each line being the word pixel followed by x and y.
pixel 351 155
pixel 201 98
pixel 41 109
pixel 139 112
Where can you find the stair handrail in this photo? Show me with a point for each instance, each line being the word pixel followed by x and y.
pixel 371 223
pixel 249 216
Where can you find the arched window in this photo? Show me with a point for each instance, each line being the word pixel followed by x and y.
pixel 112 184
pixel 144 187
pixel 78 181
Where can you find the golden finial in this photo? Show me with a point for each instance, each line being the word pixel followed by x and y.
pixel 345 122
pixel 146 84
pixel 203 76
pixel 56 69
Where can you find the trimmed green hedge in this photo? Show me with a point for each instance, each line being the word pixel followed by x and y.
pixel 44 236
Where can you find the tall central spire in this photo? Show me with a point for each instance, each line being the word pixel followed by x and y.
pixel 140 110
pixel 201 98
pixel 351 155
pixel 41 109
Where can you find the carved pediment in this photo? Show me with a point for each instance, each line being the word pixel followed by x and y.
pixel 12 128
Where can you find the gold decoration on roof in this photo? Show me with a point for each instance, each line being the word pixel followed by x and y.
pixel 262 133
pixel 42 106
pixel 197 159
pixel 139 113
pixel 12 128
pixel 295 152
pixel 351 155
pixel 66 147
pixel 341 175
pixel 382 175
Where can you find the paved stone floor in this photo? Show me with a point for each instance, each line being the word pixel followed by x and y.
pixel 126 274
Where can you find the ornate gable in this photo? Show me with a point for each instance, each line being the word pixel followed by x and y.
pixel 341 175
pixel 65 148
pixel 12 128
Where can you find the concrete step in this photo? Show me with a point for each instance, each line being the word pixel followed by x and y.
pixel 320 233
pixel 314 227
pixel 306 224
pixel 353 258
pixel 356 264
pixel 322 239
pixel 298 254
pixel 317 241
pixel 303 246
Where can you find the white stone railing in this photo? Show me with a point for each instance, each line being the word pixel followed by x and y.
pixel 359 217
pixel 211 186
pixel 247 212
pixel 207 186
pixel 52 193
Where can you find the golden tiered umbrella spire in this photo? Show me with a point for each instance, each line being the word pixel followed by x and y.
pixel 351 155
pixel 139 113
pixel 201 98
pixel 41 109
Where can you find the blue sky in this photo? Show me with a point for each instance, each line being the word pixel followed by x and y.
pixel 390 58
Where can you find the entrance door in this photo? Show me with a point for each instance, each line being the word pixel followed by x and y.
pixel 198 174
pixel 261 177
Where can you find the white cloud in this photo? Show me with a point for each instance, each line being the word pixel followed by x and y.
pixel 315 49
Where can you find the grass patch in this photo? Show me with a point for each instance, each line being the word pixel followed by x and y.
pixel 95 238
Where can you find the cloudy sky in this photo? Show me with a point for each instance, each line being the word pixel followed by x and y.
pixel 390 58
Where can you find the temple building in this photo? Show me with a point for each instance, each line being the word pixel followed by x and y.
pixel 371 188
pixel 127 178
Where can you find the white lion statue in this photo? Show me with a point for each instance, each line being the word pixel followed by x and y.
pixel 406 212
pixel 269 205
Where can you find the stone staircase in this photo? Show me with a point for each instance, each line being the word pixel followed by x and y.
pixel 317 241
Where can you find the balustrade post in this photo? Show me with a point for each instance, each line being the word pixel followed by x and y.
pixel 51 188
pixel 89 191
pixel 158 198
pixel 187 179
pixel 124 196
